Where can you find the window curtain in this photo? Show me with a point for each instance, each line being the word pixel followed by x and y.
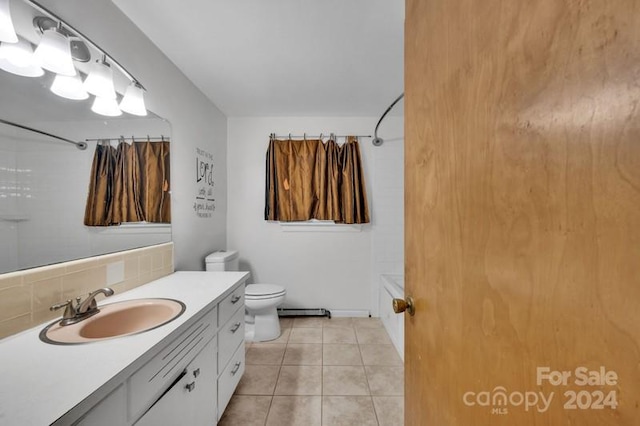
pixel 309 179
pixel 129 183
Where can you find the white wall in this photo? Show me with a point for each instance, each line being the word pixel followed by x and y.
pixel 195 121
pixel 330 270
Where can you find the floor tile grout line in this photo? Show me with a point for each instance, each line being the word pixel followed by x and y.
pixel 366 378
pixel 273 392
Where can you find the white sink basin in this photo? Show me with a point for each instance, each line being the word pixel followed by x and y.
pixel 115 320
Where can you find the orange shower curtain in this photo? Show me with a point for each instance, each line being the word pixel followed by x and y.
pixel 308 179
pixel 129 184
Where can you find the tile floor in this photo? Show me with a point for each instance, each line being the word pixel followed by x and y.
pixel 339 371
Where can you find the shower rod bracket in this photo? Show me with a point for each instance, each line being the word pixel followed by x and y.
pixel 377 140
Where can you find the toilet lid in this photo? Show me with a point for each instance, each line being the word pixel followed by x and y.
pixel 261 290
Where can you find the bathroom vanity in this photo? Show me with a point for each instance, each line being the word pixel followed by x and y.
pixel 181 373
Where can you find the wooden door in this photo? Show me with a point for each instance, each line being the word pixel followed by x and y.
pixel 522 145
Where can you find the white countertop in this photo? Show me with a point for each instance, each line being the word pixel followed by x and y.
pixel 40 382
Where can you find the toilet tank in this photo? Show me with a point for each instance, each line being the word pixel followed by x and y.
pixel 223 260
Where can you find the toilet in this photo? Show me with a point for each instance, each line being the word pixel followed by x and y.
pixel 261 300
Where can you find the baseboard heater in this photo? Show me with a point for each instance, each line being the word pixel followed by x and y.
pixel 319 312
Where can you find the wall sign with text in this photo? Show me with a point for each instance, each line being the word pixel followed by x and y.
pixel 204 204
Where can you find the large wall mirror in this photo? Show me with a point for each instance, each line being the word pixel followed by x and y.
pixel 44 181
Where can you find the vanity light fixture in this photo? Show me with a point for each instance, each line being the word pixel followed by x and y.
pixel 7 31
pixel 54 52
pixel 100 80
pixel 133 101
pixel 106 106
pixel 59 47
pixel 69 87
pixel 17 58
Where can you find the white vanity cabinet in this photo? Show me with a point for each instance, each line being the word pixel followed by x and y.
pixel 188 381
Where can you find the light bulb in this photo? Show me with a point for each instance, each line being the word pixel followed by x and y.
pixel 7 31
pixel 99 82
pixel 133 101
pixel 17 58
pixel 69 87
pixel 54 53
pixel 106 106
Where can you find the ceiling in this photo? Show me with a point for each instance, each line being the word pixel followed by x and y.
pixel 282 57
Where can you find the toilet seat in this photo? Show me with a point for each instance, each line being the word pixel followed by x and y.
pixel 263 291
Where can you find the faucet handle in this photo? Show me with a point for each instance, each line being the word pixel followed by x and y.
pixel 69 311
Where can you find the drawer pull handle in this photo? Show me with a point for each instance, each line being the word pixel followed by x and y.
pixel 191 386
pixel 236 368
pixel 235 299
pixel 235 327
pixel 196 372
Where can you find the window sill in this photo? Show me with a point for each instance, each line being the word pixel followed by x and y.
pixel 134 228
pixel 319 226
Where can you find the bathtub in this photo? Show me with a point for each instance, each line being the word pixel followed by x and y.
pixel 391 287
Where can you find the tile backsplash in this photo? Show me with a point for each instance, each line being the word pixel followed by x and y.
pixel 25 296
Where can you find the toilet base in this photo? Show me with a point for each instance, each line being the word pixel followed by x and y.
pixel 262 326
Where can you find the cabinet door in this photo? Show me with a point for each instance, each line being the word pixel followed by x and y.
pixel 191 399
pixel 108 412
pixel 229 378
pixel 203 374
pixel 172 408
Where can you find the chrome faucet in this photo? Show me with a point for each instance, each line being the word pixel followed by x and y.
pixel 89 304
pixel 81 310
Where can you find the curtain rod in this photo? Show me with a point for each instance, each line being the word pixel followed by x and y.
pixel 377 141
pixel 322 135
pixel 160 138
pixel 80 145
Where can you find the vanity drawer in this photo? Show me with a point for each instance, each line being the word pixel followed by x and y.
pixel 230 304
pixel 228 380
pixel 147 383
pixel 229 337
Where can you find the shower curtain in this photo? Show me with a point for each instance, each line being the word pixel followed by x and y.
pixel 309 179
pixel 129 183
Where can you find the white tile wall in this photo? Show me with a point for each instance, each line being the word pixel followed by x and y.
pixel 388 206
pixel 8 201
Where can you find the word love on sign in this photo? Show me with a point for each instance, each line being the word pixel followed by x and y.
pixel 204 204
